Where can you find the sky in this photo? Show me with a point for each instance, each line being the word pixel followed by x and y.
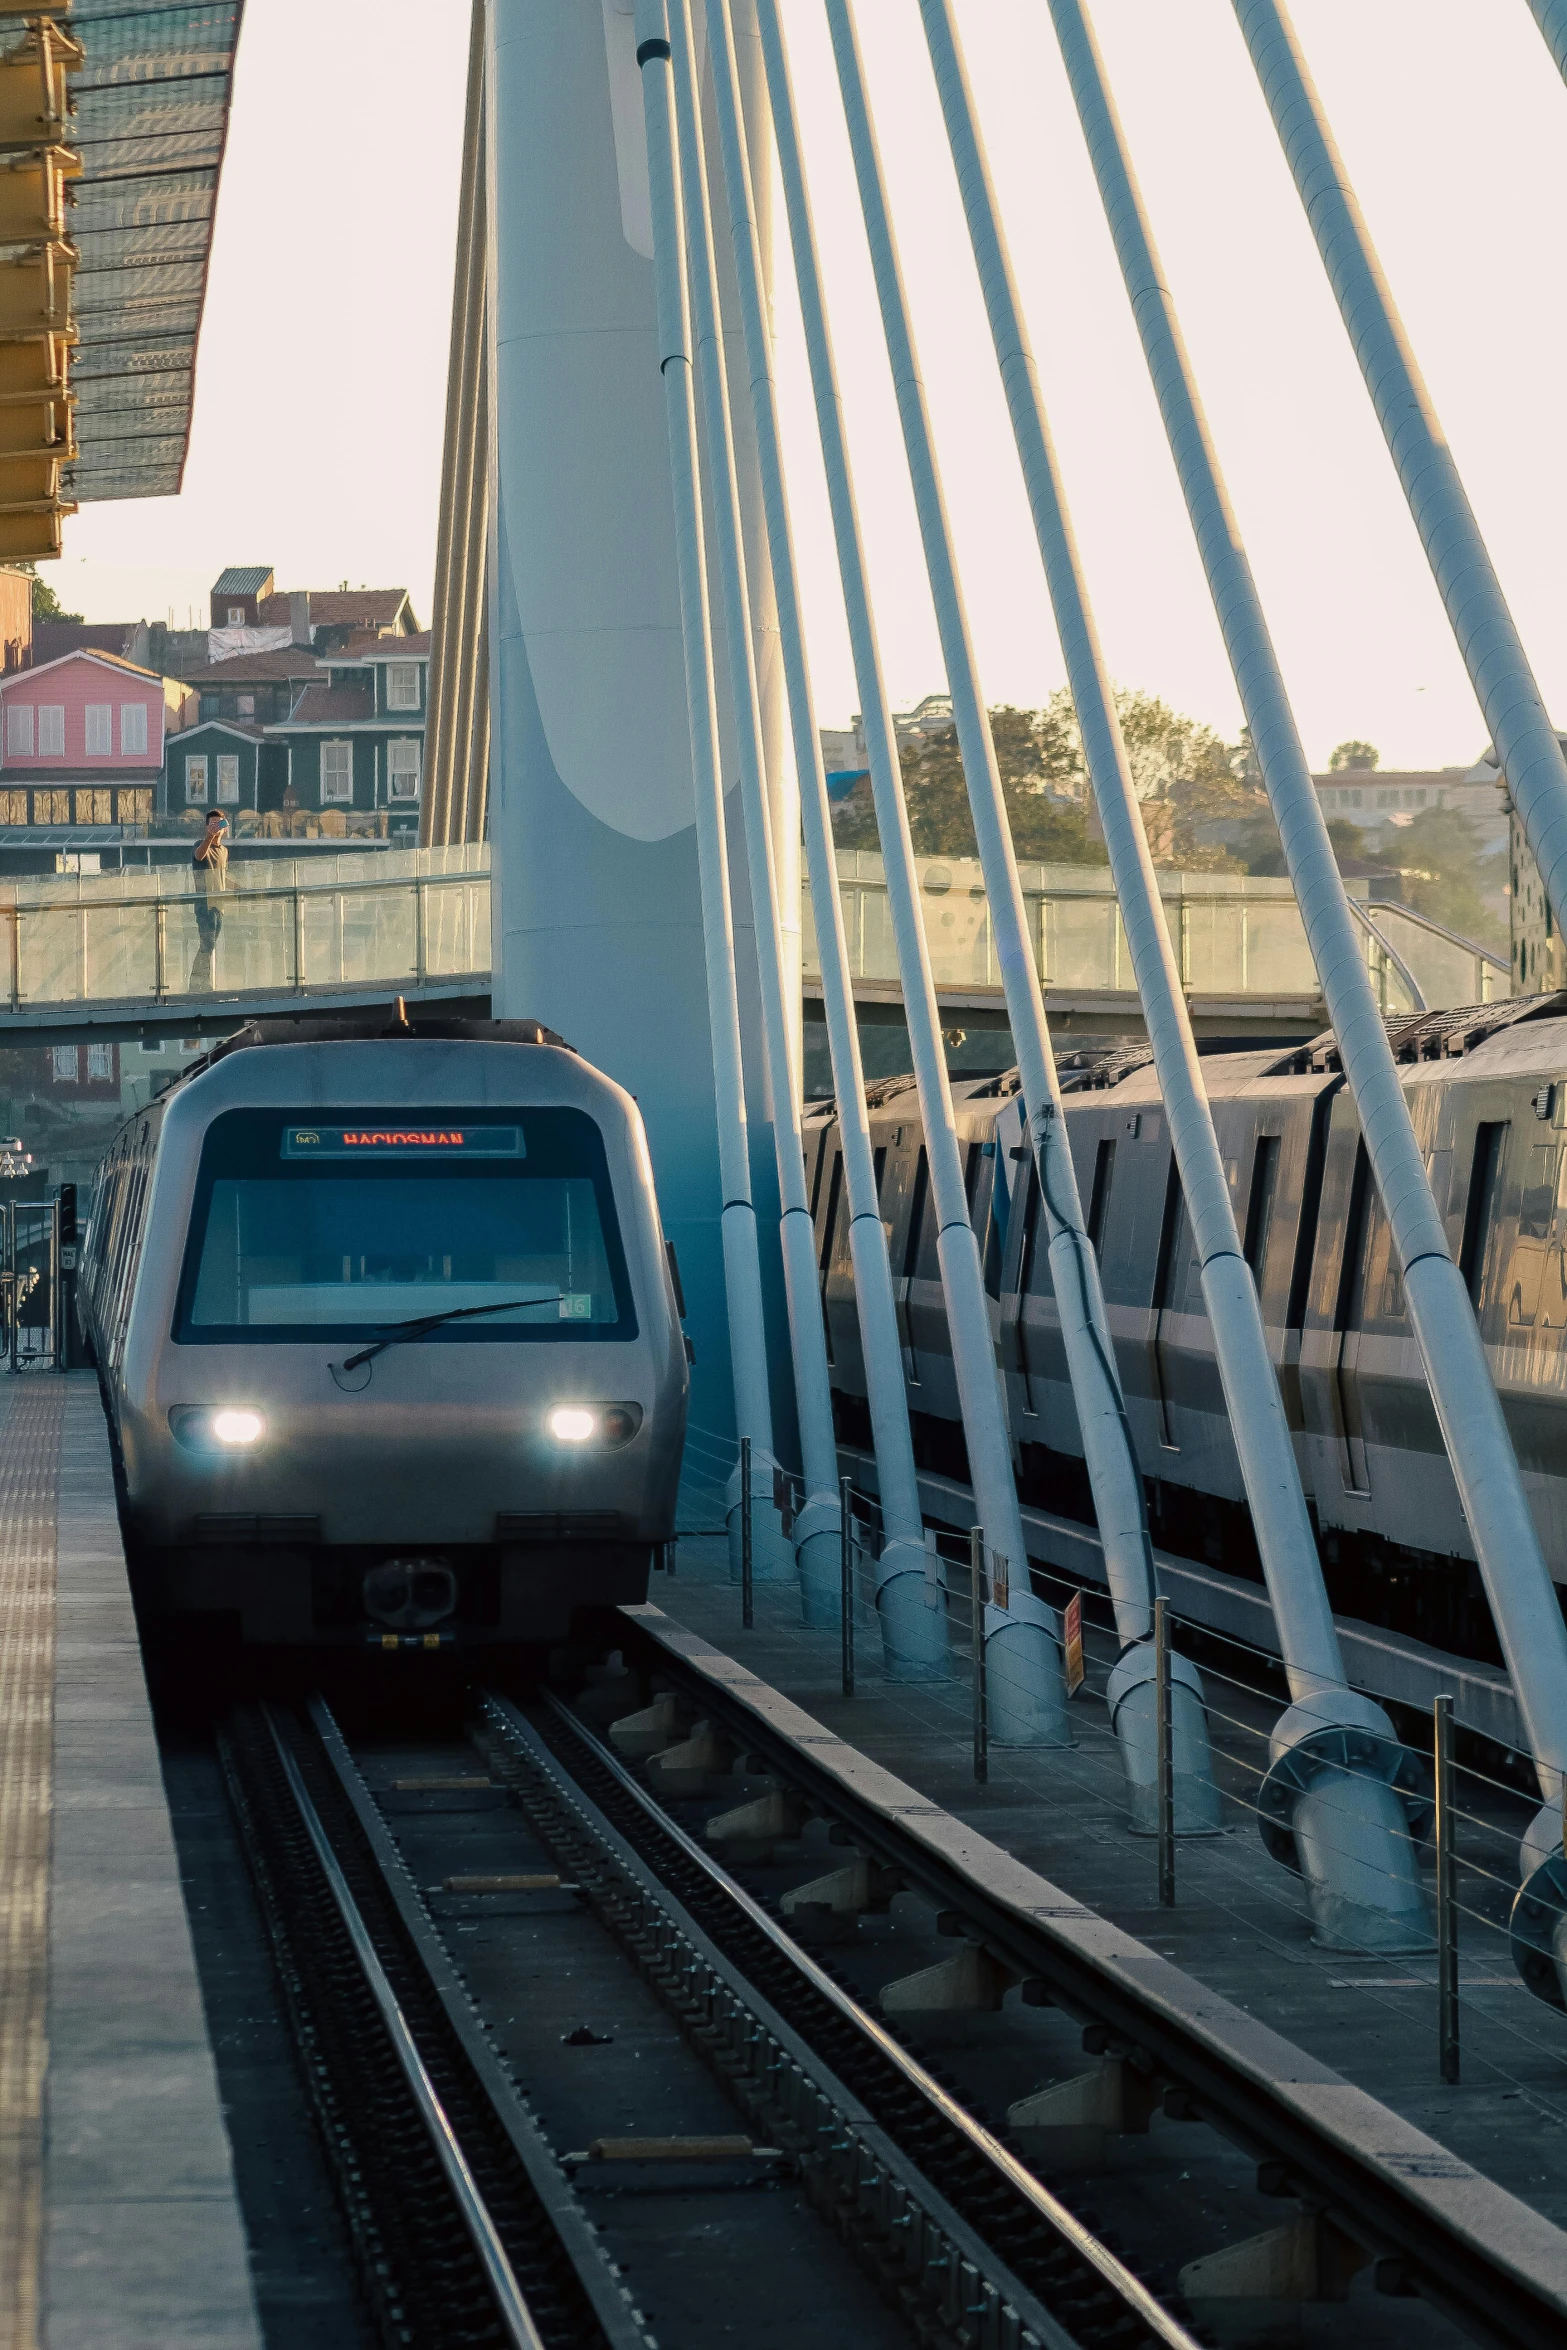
pixel 322 369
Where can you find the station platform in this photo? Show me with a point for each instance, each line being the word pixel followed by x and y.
pixel 1239 1925
pixel 119 2226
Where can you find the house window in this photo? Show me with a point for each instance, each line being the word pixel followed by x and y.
pixel 51 731
pixel 337 772
pixel 247 705
pixel 133 728
pixel 100 730
pixel 402 685
pixel 100 1063
pixel 65 1058
pixel 236 615
pixel 228 782
pixel 402 771
pixel 195 783
pixel 51 807
pixel 136 806
pixel 92 807
pixel 13 807
pixel 19 730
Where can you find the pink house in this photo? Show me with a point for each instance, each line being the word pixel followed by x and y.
pixel 82 740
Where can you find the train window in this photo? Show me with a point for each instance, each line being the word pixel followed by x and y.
pixel 911 1246
pixel 503 1220
pixel 1099 1197
pixel 1479 1207
pixel 1539 1194
pixel 829 1228
pixel 1352 1268
pixel 1259 1202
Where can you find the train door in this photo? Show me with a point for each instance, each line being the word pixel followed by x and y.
pixel 1169 1283
pixel 829 1234
pixel 905 1271
pixel 1345 1346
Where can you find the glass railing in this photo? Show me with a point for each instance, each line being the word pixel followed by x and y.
pixel 401 917
pixel 1234 935
pixel 412 917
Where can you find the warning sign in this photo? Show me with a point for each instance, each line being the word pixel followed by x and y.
pixel 1072 1625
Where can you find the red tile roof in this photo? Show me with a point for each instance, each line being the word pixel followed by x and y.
pixel 52 639
pixel 383 648
pixel 332 705
pixel 339 608
pixel 285 661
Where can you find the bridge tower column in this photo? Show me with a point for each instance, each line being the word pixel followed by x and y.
pixel 597 917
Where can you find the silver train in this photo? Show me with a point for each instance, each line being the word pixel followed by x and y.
pixel 390 1337
pixel 1488 1091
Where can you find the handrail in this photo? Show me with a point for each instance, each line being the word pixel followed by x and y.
pixel 1456 938
pixel 1391 952
pixel 138 929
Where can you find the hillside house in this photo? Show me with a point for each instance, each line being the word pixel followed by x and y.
pixel 83 741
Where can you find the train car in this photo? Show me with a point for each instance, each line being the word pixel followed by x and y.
pixel 389 1336
pixel 1487 1088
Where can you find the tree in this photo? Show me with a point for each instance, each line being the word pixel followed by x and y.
pixel 1438 854
pixel 1182 772
pixel 1040 763
pixel 46 604
pixel 1357 758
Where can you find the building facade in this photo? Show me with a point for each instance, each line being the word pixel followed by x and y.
pixel 294 744
pixel 83 741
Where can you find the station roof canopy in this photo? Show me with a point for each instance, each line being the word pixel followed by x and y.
pixel 151 123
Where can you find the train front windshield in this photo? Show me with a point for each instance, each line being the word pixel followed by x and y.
pixel 303 1231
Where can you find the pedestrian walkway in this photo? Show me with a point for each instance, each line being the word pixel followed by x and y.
pixel 119 2228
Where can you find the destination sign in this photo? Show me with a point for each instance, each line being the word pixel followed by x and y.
pixel 412 1141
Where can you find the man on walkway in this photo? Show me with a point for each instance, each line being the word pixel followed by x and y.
pixel 212 873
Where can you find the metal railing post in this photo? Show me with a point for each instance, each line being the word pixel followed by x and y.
pixel 846 1577
pixel 421 942
pixel 1446 1888
pixel 1165 1724
pixel 56 1292
pixel 747 1592
pixel 976 1609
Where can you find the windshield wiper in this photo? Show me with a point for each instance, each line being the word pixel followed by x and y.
pixel 396 1332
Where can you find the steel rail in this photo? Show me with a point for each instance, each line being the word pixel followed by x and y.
pixel 512 2308
pixel 1133 2295
pixel 1390 2193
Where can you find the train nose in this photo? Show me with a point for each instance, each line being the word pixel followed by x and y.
pixel 410 1595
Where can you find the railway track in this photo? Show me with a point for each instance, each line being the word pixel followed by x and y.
pixel 1423 2221
pixel 848 2167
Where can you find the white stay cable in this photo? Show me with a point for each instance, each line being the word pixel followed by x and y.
pixel 897 1479
pixel 742 1267
pixel 968 1319
pixel 815 1533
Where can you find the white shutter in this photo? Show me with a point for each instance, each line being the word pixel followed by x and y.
pixel 19 730
pixel 51 731
pixel 133 728
pixel 100 730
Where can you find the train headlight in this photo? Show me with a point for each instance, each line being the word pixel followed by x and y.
pixel 228 1428
pixel 571 1424
pixel 237 1427
pixel 608 1424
